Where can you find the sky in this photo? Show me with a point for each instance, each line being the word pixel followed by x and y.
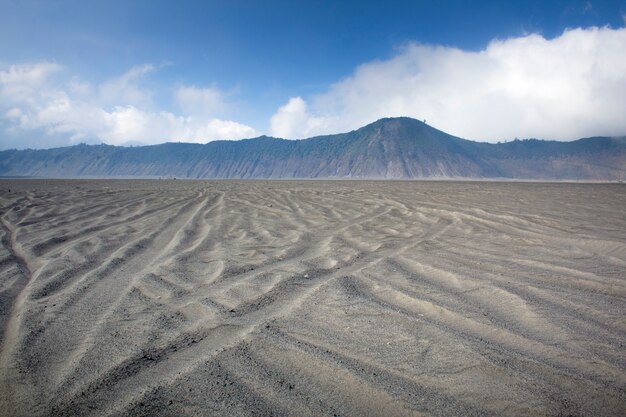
pixel 128 72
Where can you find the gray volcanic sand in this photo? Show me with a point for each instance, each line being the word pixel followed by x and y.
pixel 172 298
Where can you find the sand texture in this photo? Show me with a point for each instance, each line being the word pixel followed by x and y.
pixel 172 298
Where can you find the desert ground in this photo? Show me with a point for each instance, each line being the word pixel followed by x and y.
pixel 321 298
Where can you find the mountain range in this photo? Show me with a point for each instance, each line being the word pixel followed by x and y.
pixel 388 148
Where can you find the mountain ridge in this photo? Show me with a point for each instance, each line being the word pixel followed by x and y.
pixel 387 148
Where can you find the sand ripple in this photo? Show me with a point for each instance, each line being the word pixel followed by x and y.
pixel 312 298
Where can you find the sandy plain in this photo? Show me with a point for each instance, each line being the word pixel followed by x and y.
pixel 171 298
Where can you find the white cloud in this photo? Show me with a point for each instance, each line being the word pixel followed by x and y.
pixel 28 74
pixel 224 129
pixel 79 88
pixel 200 101
pixel 126 124
pixel 118 111
pixel 125 89
pixel 293 121
pixel 22 82
pixel 563 88
pixel 13 113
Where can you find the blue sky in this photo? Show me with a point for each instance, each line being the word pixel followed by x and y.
pixel 152 71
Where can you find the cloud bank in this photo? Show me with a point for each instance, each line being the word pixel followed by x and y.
pixel 563 88
pixel 40 106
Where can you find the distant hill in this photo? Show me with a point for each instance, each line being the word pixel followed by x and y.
pixel 388 148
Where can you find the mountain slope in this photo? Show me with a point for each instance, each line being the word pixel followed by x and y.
pixel 389 148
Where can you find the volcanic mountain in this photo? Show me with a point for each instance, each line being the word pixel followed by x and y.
pixel 388 148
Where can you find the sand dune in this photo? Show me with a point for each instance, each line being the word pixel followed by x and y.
pixel 312 298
